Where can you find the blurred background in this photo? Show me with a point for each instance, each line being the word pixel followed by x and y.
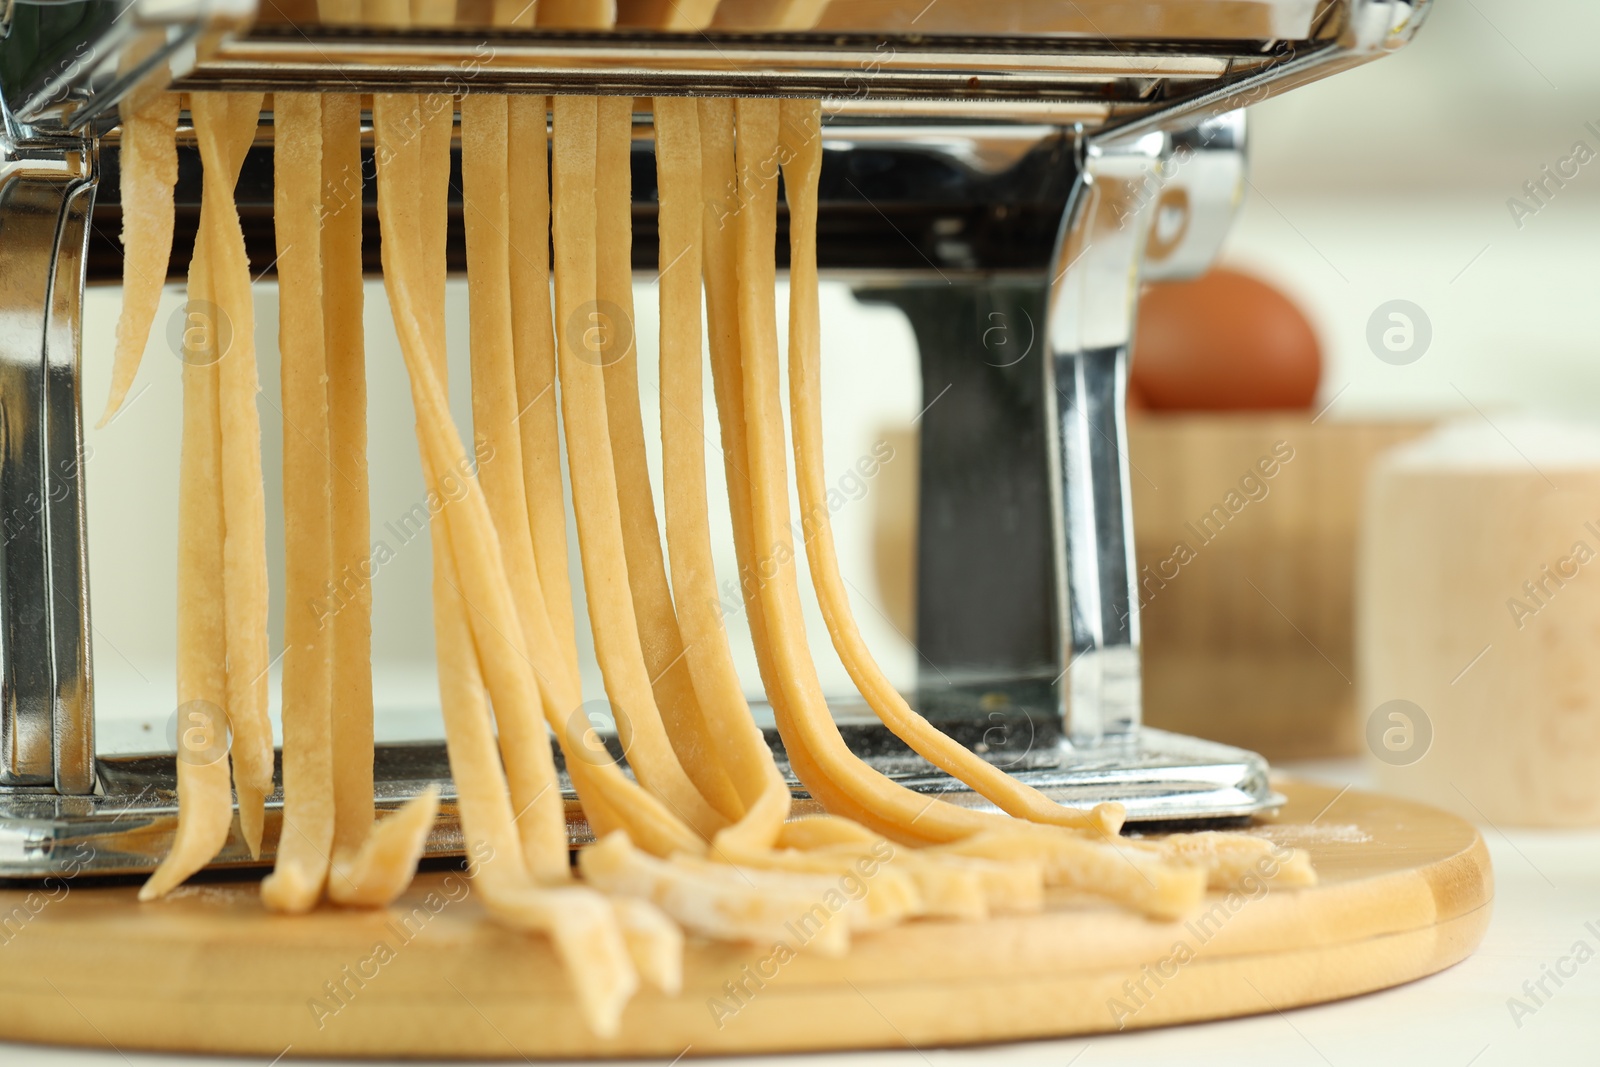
pixel 1389 183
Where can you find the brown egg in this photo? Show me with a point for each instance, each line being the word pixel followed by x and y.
pixel 1223 342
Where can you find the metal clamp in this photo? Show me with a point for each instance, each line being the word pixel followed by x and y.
pixel 1156 204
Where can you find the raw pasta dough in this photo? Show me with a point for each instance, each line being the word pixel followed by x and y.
pixel 698 838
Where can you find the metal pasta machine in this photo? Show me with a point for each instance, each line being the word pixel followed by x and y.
pixel 1008 188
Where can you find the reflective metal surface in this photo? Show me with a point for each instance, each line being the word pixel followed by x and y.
pixel 1149 206
pixel 1162 64
pixel 896 199
pixel 69 63
pixel 46 706
pixel 1093 298
pixel 1196 191
pixel 128 826
pixel 841 69
pixel 1355 32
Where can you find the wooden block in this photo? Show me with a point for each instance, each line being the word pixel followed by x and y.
pixel 1247 578
pixel 1480 607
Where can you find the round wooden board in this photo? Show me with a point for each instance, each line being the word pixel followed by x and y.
pixel 1405 892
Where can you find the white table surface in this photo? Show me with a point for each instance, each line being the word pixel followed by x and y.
pixel 1547 887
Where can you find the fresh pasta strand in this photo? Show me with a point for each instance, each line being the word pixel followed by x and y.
pixel 351 618
pixel 437 118
pixel 680 154
pixel 846 785
pixel 582 926
pixel 149 163
pixel 577 187
pixel 1113 871
pixel 889 893
pixel 672 883
pixel 371 863
pixel 654 942
pixel 479 563
pixel 344 348
pixel 660 640
pixel 611 800
pixel 726 203
pixel 950 888
pixel 386 861
pixel 323 764
pixel 719 178
pixel 802 154
pixel 486 208
pixel 1232 860
pixel 205 803
pixel 739 746
pixel 226 127
pixel 810 832
pixel 244 555
pixel 711 899
pixel 306 839
pixel 807 727
pixel 528 165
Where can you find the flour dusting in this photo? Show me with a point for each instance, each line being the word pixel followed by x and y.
pixel 1312 833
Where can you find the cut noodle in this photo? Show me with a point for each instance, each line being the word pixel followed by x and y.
pixel 660 640
pixel 148 160
pixel 486 208
pixel 528 165
pixel 205 806
pixel 578 186
pixel 469 583
pixel 244 548
pixel 802 155
pixel 306 838
pixel 383 866
pixel 739 747
pixel 343 347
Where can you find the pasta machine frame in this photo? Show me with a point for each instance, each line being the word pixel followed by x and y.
pixel 1009 193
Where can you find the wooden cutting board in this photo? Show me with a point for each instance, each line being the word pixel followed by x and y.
pixel 1405 892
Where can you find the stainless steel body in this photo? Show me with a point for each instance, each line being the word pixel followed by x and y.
pixel 47 185
pixel 127 825
pixel 1023 181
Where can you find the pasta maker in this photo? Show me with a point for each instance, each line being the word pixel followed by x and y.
pixel 1008 191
